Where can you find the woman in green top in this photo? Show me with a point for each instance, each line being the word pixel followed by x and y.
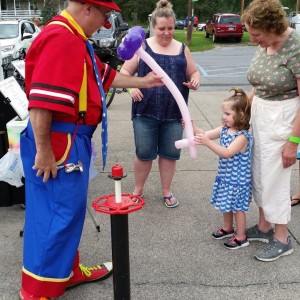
pixel 274 74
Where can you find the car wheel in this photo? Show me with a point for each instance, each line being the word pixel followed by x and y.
pixel 214 38
pixel 206 34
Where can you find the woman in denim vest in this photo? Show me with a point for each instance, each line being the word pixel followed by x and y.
pixel 155 113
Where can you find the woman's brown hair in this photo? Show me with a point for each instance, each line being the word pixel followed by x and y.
pixel 266 15
pixel 163 9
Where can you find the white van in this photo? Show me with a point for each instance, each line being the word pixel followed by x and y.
pixel 295 23
pixel 15 35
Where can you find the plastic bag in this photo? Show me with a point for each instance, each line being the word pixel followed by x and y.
pixel 93 173
pixel 11 168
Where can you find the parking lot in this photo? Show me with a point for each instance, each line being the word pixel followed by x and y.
pixel 172 254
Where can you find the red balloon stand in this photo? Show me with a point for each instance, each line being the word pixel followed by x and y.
pixel 118 206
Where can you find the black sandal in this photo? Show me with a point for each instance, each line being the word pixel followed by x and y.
pixel 169 198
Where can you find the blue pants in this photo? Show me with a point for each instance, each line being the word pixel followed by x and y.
pixel 54 214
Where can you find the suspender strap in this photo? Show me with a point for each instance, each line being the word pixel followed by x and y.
pixel 83 94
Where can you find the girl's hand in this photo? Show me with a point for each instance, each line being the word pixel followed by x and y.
pixel 136 94
pixel 201 139
pixel 196 129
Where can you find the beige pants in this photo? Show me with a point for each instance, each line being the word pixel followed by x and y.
pixel 272 123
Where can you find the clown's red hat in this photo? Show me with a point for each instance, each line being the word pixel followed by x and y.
pixel 105 3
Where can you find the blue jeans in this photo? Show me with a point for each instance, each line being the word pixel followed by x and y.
pixel 154 137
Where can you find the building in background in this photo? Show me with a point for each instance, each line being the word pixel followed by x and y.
pixel 24 9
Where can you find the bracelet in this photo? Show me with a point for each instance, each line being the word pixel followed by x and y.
pixel 129 89
pixel 294 139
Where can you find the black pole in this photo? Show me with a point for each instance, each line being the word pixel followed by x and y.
pixel 120 256
pixel 190 24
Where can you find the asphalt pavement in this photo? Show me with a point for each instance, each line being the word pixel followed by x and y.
pixel 172 253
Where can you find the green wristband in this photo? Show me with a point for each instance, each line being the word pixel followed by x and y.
pixel 128 90
pixel 294 139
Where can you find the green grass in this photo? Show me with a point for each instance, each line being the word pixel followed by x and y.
pixel 200 43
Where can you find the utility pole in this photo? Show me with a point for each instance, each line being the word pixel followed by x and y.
pixel 242 6
pixel 190 25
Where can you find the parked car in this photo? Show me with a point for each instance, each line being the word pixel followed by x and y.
pixel 111 37
pixel 120 19
pixel 179 24
pixel 224 26
pixel 16 35
pixel 201 26
pixel 295 23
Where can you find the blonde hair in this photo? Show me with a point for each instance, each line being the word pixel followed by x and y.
pixel 163 9
pixel 242 107
pixel 266 15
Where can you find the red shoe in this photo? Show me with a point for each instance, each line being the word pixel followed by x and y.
pixel 24 295
pixel 84 274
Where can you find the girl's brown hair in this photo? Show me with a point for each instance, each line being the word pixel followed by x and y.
pixel 241 105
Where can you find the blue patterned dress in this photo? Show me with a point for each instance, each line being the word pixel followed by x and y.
pixel 232 189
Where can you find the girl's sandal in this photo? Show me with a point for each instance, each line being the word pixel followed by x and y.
pixel 168 199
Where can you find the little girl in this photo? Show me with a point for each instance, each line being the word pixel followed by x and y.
pixel 232 189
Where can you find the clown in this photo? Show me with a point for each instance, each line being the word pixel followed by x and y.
pixel 65 84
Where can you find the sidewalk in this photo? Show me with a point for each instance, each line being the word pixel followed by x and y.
pixel 172 254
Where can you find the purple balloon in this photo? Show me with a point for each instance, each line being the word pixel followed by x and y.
pixel 131 43
pixel 124 53
pixel 138 30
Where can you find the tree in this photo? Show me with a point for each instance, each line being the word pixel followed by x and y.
pixel 204 9
pixel 139 8
pixel 49 10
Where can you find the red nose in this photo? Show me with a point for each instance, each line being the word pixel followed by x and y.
pixel 107 25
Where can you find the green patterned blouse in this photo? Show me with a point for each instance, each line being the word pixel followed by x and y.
pixel 274 77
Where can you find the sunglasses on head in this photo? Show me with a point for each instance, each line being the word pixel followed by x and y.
pixel 107 14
